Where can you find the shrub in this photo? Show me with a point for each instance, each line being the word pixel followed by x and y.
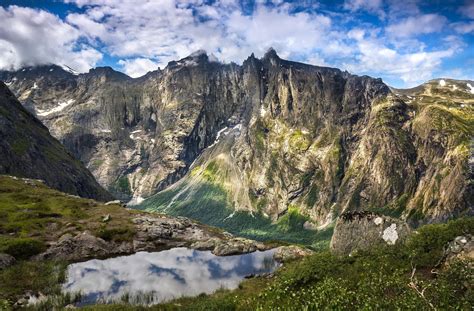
pixel 21 248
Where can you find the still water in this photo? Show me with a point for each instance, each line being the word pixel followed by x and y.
pixel 149 278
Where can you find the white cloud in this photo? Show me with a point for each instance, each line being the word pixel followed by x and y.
pixel 372 6
pixel 138 67
pixel 468 9
pixel 374 57
pixel 416 25
pixel 145 35
pixel 464 28
pixel 30 37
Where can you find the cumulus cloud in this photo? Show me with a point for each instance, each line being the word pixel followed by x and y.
pixel 416 25
pixel 31 36
pixel 372 6
pixel 137 67
pixel 375 57
pixel 144 35
pixel 464 28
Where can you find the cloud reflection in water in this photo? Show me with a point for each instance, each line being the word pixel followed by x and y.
pixel 148 278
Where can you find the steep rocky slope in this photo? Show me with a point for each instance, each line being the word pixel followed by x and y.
pixel 294 143
pixel 28 150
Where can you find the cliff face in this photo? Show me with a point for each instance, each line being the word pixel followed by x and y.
pixel 28 150
pixel 271 136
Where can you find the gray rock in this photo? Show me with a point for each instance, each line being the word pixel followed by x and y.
pixel 75 248
pixel 6 261
pixel 292 252
pixel 364 230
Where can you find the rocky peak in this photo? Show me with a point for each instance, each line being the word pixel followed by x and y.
pixel 271 54
pixel 107 74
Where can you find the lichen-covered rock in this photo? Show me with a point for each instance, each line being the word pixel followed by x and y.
pixel 227 247
pixel 287 253
pixel 76 248
pixel 462 247
pixel 6 261
pixel 363 230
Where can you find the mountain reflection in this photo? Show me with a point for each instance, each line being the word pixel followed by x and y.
pixel 148 278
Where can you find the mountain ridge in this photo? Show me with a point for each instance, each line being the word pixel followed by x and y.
pixel 326 133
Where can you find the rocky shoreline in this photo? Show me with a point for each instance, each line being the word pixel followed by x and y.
pixel 157 233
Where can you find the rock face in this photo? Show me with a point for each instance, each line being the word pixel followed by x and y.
pixel 363 230
pixel 28 150
pixel 268 136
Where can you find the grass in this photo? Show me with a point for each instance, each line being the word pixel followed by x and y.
pixel 42 276
pixel 384 278
pixel 208 204
pixel 33 215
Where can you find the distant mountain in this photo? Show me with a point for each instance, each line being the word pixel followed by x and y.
pixel 28 150
pixel 290 142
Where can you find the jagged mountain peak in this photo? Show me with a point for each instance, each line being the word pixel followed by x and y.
pixel 271 53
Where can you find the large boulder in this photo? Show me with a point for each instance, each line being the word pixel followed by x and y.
pixel 363 230
pixel 291 252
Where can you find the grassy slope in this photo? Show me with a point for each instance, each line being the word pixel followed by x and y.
pixel 375 280
pixel 208 204
pixel 31 215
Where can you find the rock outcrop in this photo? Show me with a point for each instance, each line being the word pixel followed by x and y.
pixel 152 233
pixel 357 231
pixel 28 150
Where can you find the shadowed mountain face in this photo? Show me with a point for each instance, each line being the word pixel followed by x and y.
pixel 28 150
pixel 293 142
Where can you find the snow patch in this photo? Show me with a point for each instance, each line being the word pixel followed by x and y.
pixel 153 140
pixel 105 131
pixel 69 69
pixel 390 235
pixel 454 87
pixel 134 132
pixel 471 88
pixel 35 86
pixel 51 69
pixel 442 82
pixel 263 111
pixel 60 107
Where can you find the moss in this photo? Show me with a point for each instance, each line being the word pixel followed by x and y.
pixel 122 185
pixel 21 248
pixel 312 196
pixel 298 141
pixel 293 220
pixel 120 234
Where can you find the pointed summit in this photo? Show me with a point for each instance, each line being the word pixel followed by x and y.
pixel 271 53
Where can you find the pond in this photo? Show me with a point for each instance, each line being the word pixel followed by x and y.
pixel 150 278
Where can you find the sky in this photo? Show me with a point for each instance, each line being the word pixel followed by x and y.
pixel 404 42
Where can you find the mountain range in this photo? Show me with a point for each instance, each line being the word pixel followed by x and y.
pixel 289 142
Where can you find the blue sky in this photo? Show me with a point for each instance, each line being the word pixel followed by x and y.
pixel 405 42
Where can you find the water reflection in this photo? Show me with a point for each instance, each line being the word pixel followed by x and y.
pixel 148 278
